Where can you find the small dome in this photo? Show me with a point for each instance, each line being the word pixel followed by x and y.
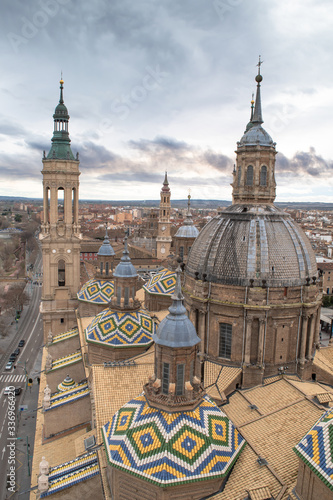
pixel 250 243
pixel 67 383
pixel 176 330
pixel 106 249
pixel 125 268
pixel 61 112
pixel 189 231
pixel 255 135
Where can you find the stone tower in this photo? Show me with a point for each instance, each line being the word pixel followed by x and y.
pixel 60 231
pixel 164 240
pixel 251 277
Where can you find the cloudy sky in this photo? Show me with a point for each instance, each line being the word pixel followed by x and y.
pixel 155 85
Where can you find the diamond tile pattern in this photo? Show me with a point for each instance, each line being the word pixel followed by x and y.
pixel 96 291
pixel 316 449
pixel 163 283
pixel 120 329
pixel 171 448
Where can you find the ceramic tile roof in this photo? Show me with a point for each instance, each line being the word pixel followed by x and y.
pixel 121 329
pixel 316 448
pixel 96 291
pixel 66 335
pixel 163 283
pixel 70 359
pixel 260 494
pixel 65 475
pixel 247 474
pixel 129 380
pixel 172 448
pixel 64 397
pixel 269 398
pixel 324 359
pixel 275 434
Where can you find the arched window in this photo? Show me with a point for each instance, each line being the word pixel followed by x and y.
pixel 239 175
pixel 263 176
pixel 249 176
pixel 106 268
pixel 165 378
pixel 61 273
pixel 61 204
pixel 181 252
pixel 180 379
pixel 225 340
pixel 101 267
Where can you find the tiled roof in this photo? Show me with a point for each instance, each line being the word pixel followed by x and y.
pixel 66 335
pixel 70 473
pixel 64 397
pixel 172 448
pixel 324 360
pixel 271 431
pixel 163 283
pixel 96 291
pixel 70 359
pixel 121 329
pixel 316 449
pixel 218 378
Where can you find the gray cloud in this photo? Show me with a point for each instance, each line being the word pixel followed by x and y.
pixel 308 163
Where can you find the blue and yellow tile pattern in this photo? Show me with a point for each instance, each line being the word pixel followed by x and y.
pixel 64 397
pixel 96 291
pixel 66 335
pixel 73 472
pixel 316 449
pixel 70 359
pixel 163 283
pixel 121 329
pixel 172 448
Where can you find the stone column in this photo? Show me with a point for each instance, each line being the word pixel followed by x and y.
pixel 311 336
pixel 46 205
pixel 262 322
pixel 201 329
pixel 305 319
pixel 317 329
pixel 248 334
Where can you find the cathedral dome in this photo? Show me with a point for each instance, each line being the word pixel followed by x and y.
pixel 247 244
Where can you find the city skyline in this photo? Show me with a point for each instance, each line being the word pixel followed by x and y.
pixel 153 87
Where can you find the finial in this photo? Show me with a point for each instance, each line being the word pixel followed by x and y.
pixel 106 231
pixel 252 106
pixel 257 115
pixel 61 100
pixel 177 294
pixel 259 77
pixel 166 178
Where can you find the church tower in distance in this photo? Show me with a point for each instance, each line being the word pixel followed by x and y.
pixel 60 231
pixel 164 240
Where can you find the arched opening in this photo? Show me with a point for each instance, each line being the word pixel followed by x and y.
pixel 239 175
pixel 263 176
pixel 249 176
pixel 61 273
pixel 61 204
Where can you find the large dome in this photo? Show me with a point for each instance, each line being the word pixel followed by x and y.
pixel 247 244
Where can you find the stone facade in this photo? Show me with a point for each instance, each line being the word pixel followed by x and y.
pixel 64 417
pixel 164 239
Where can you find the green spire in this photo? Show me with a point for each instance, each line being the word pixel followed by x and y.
pixel 61 149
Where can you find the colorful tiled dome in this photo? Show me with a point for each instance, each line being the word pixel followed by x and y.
pixel 67 383
pixel 96 291
pixel 172 448
pixel 121 329
pixel 316 449
pixel 163 283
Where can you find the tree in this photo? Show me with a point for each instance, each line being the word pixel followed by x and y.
pixel 15 299
pixel 18 218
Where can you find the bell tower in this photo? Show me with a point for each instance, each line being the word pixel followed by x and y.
pixel 254 175
pixel 164 240
pixel 60 231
